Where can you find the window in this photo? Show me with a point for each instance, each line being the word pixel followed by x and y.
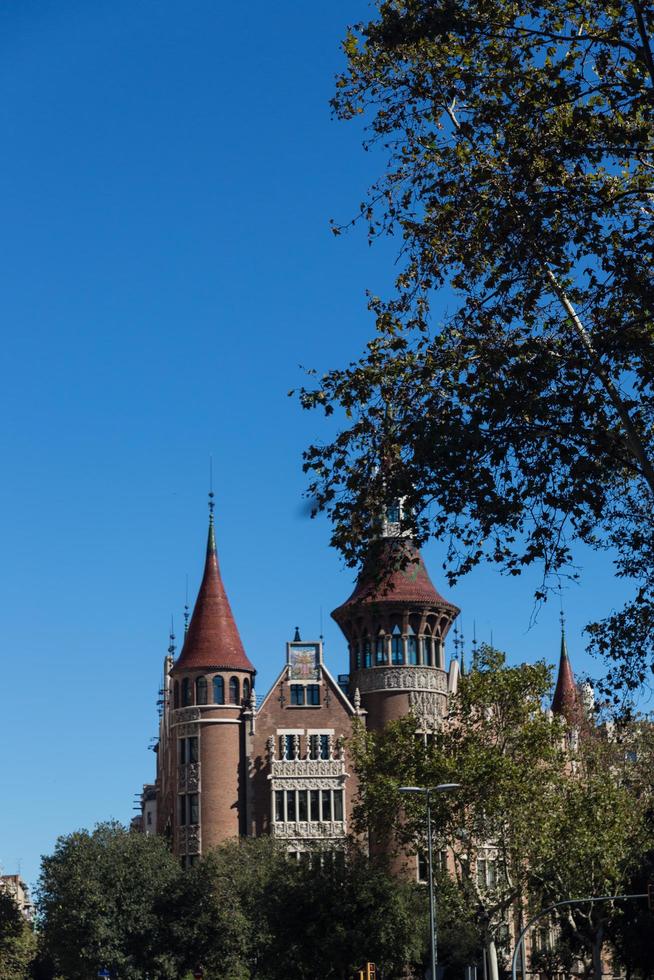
pixel 287 746
pixel 486 873
pixel 186 692
pixel 218 690
pixel 324 747
pixel 176 695
pixel 412 647
pixel 182 810
pixel 148 817
pixel 357 656
pixel 246 690
pixel 313 694
pixel 393 514
pixel 193 808
pixel 233 690
pixel 279 805
pixel 314 803
pixel 380 652
pixel 201 690
pixel 367 655
pixel 181 754
pixel 302 805
pixel 396 646
pixel 188 750
pixel 425 649
pixel 290 805
pixel 338 804
pixel 297 694
pixel 326 804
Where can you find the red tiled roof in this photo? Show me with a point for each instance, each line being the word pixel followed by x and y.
pixel 566 700
pixel 407 580
pixel 213 640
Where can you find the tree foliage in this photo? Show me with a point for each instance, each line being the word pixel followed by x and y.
pixel 520 169
pixel 540 816
pixel 16 940
pixel 105 899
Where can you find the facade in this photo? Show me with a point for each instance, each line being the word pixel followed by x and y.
pixel 230 765
pixel 14 886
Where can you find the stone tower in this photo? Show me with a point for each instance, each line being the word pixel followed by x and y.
pixel 395 623
pixel 209 702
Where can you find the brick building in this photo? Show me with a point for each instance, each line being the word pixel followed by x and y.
pixel 231 765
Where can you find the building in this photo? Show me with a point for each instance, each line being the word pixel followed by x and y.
pixel 14 886
pixel 230 765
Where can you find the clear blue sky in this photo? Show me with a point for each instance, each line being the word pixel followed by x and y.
pixel 167 176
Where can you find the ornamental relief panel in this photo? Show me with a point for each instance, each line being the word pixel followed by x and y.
pixel 189 839
pixel 401 679
pixel 308 767
pixel 334 783
pixel 427 706
pixel 184 731
pixel 182 715
pixel 309 831
pixel 188 778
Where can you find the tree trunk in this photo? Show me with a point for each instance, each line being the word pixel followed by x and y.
pixel 492 961
pixel 598 942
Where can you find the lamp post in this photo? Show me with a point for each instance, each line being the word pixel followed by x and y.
pixel 427 791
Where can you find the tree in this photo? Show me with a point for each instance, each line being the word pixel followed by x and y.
pixel 269 918
pixel 520 172
pixel 505 753
pixel 16 940
pixel 597 840
pixel 103 899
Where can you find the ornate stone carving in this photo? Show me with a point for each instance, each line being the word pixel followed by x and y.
pixel 183 715
pixel 327 782
pixel 427 706
pixel 401 679
pixel 184 731
pixel 193 840
pixel 307 767
pixel 309 831
pixel 357 700
pixel 271 747
pixel 188 778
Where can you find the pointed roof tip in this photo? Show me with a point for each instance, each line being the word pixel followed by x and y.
pixel 212 640
pixel 297 638
pixel 566 700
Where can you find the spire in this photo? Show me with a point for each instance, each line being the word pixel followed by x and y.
pixel 297 638
pixel 566 696
pixel 212 640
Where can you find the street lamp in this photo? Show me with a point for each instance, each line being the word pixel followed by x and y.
pixel 427 791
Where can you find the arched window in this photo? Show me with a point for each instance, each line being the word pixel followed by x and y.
pixel 233 690
pixel 367 654
pixel 412 647
pixel 380 649
pixel 425 647
pixel 396 646
pixel 218 690
pixel 201 690
pixel 176 695
pixel 246 690
pixel 186 692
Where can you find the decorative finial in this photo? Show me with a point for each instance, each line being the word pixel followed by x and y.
pixel 186 609
pixel 357 700
pixel 211 493
pixel 462 661
pixel 297 638
pixel 474 637
pixel 171 637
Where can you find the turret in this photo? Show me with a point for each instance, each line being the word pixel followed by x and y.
pixel 395 623
pixel 567 701
pixel 212 683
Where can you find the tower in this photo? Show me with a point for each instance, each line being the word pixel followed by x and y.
pixel 567 701
pixel 212 683
pixel 395 623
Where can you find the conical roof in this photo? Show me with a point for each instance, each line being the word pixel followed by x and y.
pixel 566 699
pixel 407 582
pixel 212 641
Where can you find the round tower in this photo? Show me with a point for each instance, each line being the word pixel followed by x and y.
pixel 395 623
pixel 212 682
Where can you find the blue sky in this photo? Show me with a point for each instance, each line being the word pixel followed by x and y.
pixel 166 182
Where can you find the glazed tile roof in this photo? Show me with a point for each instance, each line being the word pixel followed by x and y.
pixel 212 640
pixel 406 582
